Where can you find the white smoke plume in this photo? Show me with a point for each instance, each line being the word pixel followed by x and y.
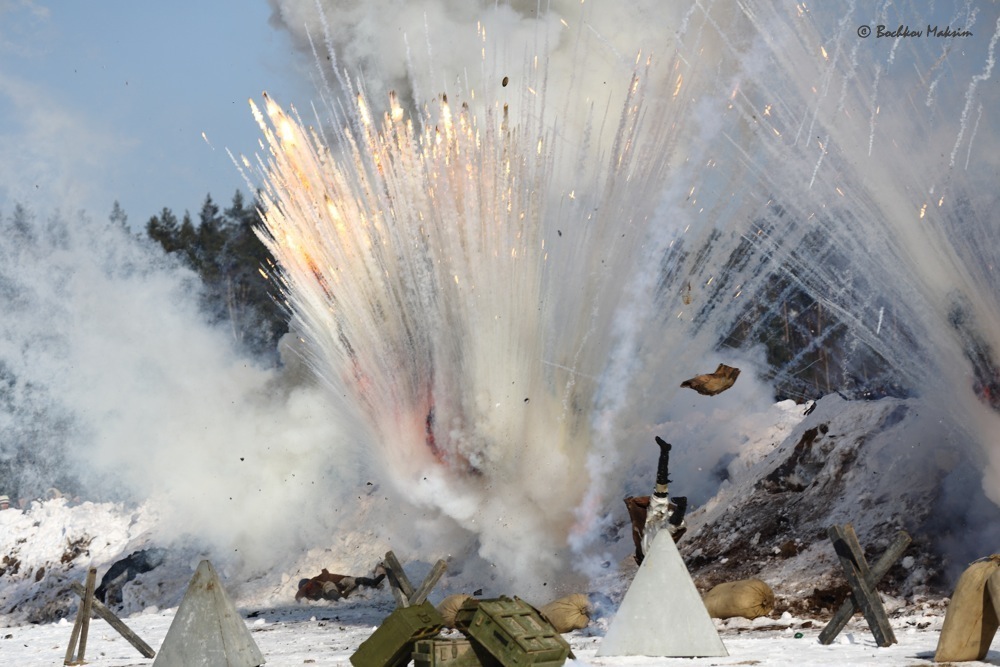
pixel 114 388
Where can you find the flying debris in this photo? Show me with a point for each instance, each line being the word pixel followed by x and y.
pixel 711 384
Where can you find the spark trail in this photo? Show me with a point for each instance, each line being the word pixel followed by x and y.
pixel 499 285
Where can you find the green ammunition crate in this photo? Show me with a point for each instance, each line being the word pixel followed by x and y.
pixel 392 643
pixel 465 613
pixel 442 652
pixel 513 632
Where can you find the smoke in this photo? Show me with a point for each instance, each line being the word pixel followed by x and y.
pixel 423 49
pixel 433 292
pixel 114 388
pixel 769 151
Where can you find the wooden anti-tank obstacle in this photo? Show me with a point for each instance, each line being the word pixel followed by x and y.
pixel 81 628
pixel 402 589
pixel 862 581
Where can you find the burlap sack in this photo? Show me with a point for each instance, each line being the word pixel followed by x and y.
pixel 748 598
pixel 569 613
pixel 971 620
pixel 450 606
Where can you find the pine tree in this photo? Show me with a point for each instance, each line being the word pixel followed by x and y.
pixel 248 289
pixel 211 240
pixel 164 230
pixel 117 216
pixel 225 252
pixel 187 242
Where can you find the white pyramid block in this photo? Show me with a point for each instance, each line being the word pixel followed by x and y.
pixel 662 614
pixel 207 630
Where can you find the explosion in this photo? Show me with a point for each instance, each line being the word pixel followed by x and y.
pixel 503 287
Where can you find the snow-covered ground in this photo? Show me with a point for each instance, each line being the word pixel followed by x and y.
pixel 841 463
pixel 328 633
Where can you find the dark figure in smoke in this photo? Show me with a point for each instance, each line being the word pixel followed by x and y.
pixel 329 586
pixel 650 514
pixel 125 570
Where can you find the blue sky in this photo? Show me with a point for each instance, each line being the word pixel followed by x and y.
pixel 108 100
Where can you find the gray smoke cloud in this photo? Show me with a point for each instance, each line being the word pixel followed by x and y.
pixel 422 49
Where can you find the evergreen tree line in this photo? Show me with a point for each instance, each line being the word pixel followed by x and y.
pixel 231 262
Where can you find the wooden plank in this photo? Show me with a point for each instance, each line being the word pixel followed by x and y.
pixel 116 623
pixel 851 560
pixel 75 636
pixel 399 584
pixel 85 610
pixel 429 581
pixel 401 601
pixel 853 563
pixel 391 562
pixel 879 569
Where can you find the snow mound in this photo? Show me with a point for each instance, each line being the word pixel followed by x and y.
pixel 881 466
pixel 51 544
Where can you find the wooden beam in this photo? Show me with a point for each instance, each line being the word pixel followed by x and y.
pixel 399 584
pixel 116 623
pixel 876 611
pixel 430 580
pixel 75 635
pixel 85 609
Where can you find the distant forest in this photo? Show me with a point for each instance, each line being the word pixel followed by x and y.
pixel 222 248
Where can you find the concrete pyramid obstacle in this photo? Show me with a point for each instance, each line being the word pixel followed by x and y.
pixel 207 630
pixel 662 614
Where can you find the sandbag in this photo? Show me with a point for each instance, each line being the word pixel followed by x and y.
pixel 568 613
pixel 450 606
pixel 971 619
pixel 748 598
